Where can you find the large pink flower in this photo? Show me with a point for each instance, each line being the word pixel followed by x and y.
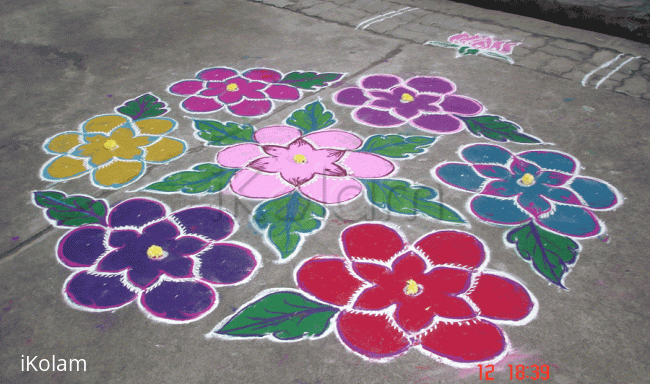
pixel 434 296
pixel 248 94
pixel 321 165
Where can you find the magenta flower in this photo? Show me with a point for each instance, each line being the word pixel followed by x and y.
pixel 425 102
pixel 483 43
pixel 249 94
pixel 321 165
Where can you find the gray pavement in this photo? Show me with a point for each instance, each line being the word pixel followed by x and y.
pixel 579 92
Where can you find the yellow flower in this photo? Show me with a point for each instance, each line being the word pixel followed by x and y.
pixel 115 148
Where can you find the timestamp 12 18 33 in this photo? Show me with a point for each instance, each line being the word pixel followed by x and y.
pixel 517 372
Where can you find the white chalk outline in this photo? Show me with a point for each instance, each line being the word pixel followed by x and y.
pixel 605 65
pixel 384 17
pixel 615 69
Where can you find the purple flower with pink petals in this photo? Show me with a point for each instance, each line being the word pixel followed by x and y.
pixel 248 94
pixel 169 263
pixel 322 165
pixel 425 102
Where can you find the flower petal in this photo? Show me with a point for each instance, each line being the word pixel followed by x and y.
pixel 572 221
pixel 103 124
pixel 334 139
pixel 238 156
pixel 266 75
pixel 64 167
pixel 596 193
pixel 443 124
pixel 277 135
pixel 460 176
pixel 216 74
pixel 282 92
pixel 97 291
pixel 366 165
pixel 331 190
pixel 251 107
pixel 63 142
pixel 118 173
pixel 258 185
pixel 452 248
pixel 371 242
pixel 226 264
pixel 351 96
pixel 534 204
pixel 550 160
pixel 486 154
pixel 164 150
pixel 371 336
pixel 371 272
pixel 553 179
pixel 82 246
pixel 179 301
pixel 328 279
pixel 136 212
pixel 155 126
pixel 492 171
pixel 376 118
pixel 500 188
pixel 497 211
pixel 465 343
pixel 373 299
pixel 200 104
pixel 206 221
pixel 380 81
pixel 500 298
pixel 461 105
pixel 186 87
pixel 431 84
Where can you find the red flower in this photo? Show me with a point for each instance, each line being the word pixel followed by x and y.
pixel 434 295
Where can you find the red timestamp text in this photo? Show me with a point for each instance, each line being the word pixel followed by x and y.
pixel 517 372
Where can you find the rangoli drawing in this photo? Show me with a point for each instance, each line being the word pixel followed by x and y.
pixel 386 297
pixel 115 149
pixel 170 263
pixel 467 44
pixel 251 93
pixel 299 167
pixel 542 192
pixel 428 103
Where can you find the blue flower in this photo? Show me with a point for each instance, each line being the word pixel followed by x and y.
pixel 544 186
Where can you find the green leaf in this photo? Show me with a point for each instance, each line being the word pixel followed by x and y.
pixel 309 80
pixel 401 197
pixel 71 211
pixel 217 133
pixel 286 218
pixel 143 106
pixel 284 315
pixel 467 51
pixel 208 178
pixel 551 254
pixel 312 118
pixel 494 128
pixel 397 146
pixel 442 44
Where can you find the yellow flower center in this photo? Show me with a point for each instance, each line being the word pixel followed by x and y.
pixel 406 98
pixel 155 252
pixel 412 288
pixel 111 145
pixel 300 159
pixel 232 87
pixel 527 179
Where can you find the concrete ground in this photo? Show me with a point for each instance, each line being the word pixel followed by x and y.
pixel 65 62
